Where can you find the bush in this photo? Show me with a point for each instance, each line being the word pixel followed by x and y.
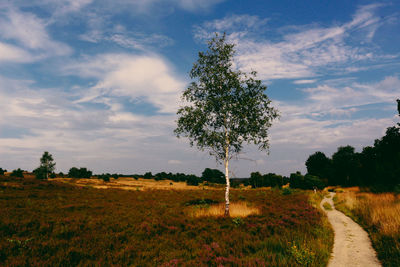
pixel 193 180
pixel 297 180
pixel 18 173
pixel 104 177
pixel 79 173
pixel 286 191
pixel 2 171
pixel 266 180
pixel 148 175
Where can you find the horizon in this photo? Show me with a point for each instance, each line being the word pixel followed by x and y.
pixel 97 84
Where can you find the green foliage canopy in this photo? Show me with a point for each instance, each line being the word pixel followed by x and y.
pixel 226 107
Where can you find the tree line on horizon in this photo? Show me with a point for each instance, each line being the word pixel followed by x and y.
pixel 376 166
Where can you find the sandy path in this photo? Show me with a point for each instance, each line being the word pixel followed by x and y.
pixel 352 246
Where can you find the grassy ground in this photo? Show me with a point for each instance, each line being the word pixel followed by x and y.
pixel 379 214
pixel 56 224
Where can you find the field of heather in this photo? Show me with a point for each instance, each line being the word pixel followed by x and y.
pixel 49 223
pixel 379 214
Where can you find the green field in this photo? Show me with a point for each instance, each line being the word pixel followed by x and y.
pixel 47 223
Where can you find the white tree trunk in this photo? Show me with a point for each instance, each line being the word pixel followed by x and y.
pixel 226 161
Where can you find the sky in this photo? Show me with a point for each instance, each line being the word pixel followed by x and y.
pixel 97 83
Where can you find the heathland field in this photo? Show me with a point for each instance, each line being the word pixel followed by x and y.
pixel 54 223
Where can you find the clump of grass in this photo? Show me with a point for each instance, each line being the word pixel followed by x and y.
pixel 327 206
pixel 236 209
pixel 379 214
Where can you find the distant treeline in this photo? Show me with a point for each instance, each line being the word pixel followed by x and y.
pixel 209 175
pixel 376 167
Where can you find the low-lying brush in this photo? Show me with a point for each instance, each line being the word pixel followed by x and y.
pixel 48 223
pixel 379 214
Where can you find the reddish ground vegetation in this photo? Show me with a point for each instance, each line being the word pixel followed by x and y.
pixel 50 223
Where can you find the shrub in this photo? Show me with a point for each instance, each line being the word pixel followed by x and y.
pixel 148 175
pixel 266 180
pixel 327 206
pixel 17 173
pixel 193 180
pixel 79 173
pixel 2 171
pixel 286 191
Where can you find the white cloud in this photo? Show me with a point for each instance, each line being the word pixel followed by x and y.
pixel 77 134
pixel 304 81
pixel 303 51
pixel 323 120
pixel 30 34
pixel 123 75
pixel 10 53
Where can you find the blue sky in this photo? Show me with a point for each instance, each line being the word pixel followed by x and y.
pixel 97 83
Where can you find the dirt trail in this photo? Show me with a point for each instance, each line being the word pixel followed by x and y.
pixel 352 246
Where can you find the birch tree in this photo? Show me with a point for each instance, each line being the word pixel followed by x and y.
pixel 47 163
pixel 224 107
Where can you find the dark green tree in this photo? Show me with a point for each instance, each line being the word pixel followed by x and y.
pixel 213 176
pixel 346 164
pixel 2 171
pixel 319 165
pixel 225 107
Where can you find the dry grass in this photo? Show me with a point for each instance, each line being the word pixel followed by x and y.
pixel 128 183
pixel 379 214
pixel 380 210
pixel 236 209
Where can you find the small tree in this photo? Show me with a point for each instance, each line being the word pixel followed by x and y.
pixel 47 165
pixel 225 107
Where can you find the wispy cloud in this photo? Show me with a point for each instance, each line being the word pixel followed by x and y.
pixel 303 52
pixel 100 31
pixel 27 35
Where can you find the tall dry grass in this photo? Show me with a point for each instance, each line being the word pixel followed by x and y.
pixel 379 210
pixel 236 209
pixel 379 214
